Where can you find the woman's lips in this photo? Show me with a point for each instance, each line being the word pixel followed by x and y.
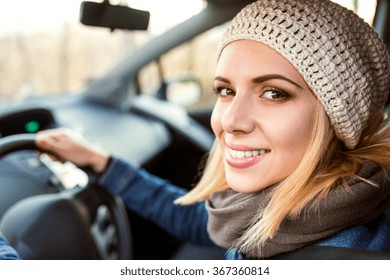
pixel 244 157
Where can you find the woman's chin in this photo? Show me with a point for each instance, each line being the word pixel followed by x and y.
pixel 245 187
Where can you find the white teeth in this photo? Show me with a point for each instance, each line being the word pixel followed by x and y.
pixel 245 154
pixel 240 154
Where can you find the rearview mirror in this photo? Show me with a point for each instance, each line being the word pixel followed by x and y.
pixel 113 16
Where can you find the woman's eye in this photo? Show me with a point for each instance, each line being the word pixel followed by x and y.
pixel 275 94
pixel 223 91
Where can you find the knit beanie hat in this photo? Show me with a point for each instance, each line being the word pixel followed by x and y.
pixel 340 57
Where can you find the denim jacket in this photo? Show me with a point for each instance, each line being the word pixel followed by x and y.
pixel 6 251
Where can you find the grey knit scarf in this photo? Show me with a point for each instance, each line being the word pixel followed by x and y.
pixel 231 212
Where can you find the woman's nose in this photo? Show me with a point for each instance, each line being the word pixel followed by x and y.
pixel 238 116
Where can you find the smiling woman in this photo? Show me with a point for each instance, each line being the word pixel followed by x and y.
pixel 312 161
pixel 264 105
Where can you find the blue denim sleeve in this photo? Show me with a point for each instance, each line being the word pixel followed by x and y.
pixel 372 236
pixel 152 198
pixel 6 251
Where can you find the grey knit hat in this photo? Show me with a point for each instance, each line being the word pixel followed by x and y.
pixel 341 57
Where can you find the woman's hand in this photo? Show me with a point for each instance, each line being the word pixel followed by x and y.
pixel 67 145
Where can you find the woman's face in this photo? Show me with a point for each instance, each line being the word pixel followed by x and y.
pixel 263 117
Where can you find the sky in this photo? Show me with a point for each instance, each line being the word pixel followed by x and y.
pixel 28 16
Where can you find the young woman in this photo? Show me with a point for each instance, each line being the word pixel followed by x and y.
pixel 302 152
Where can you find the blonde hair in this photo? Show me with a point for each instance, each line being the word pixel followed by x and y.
pixel 326 163
pixel 212 180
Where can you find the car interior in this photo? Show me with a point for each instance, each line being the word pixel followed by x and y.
pixel 50 210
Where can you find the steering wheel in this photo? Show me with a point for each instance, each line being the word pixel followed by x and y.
pixel 82 223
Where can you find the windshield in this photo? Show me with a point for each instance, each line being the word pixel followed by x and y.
pixel 44 49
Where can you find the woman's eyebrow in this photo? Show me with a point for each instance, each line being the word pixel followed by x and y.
pixel 262 79
pixel 222 79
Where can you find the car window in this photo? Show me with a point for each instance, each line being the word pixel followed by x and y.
pixel 364 8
